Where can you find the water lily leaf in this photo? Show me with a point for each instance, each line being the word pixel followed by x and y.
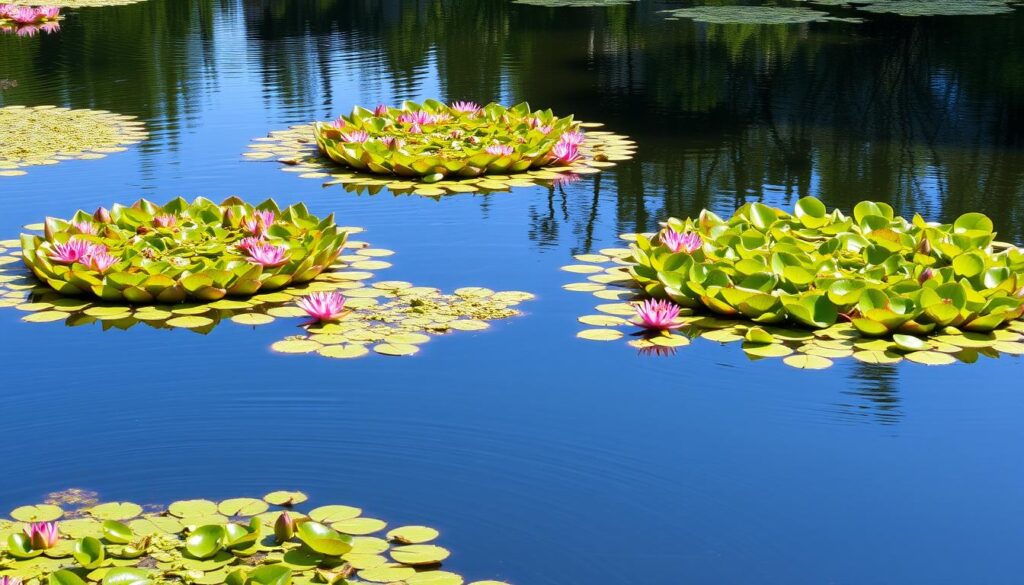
pixel 323 539
pixel 270 575
pixel 930 358
pixel 117 532
pixel 242 507
pixel 192 508
pixel 758 335
pixel 205 541
pixel 387 573
pixel 115 511
pixel 413 534
pixel 877 357
pixel 126 576
pixel 89 552
pixel 767 350
pixel 359 526
pixel 37 513
pixel 434 578
pixel 419 554
pixel 909 342
pixel 64 577
pixel 808 362
pixel 600 334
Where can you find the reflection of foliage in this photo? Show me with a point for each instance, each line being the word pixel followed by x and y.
pixel 73 3
pixel 748 14
pixel 239 541
pixel 574 3
pixel 46 134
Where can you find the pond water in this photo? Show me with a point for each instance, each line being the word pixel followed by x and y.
pixel 542 458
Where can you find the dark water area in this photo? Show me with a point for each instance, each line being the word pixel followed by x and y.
pixel 542 458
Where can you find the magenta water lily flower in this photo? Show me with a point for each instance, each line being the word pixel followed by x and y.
pixel 70 252
pixel 565 153
pixel 688 242
pixel 658 314
pixel 245 243
pixel 42 535
pixel 500 149
pixel 380 110
pixel 392 142
pixel 323 306
pixel 98 259
pixel 544 129
pixel 268 255
pixel 164 220
pixel 339 123
pixel 27 15
pixel 466 107
pixel 355 136
pixel 5 580
pixel 926 274
pixel 84 227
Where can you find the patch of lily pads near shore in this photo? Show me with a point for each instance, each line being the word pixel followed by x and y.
pixel 783 15
pixel 240 541
pixel 574 3
pixel 926 7
pixel 813 285
pixel 46 135
pixel 432 149
pixel 195 265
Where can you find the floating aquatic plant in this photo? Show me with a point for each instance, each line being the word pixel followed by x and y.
pixel 28 21
pixel 774 15
pixel 574 3
pixel 813 285
pixel 239 541
pixel 353 316
pixel 926 7
pixel 432 149
pixel 44 135
pixel 167 254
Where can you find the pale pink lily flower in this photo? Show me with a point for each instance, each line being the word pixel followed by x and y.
pixel 27 30
pixel 48 12
pixel 337 124
pixel 380 110
pixel 533 122
pixel 466 107
pixel 544 129
pixel 164 220
pixel 70 252
pixel 42 535
pixel 259 222
pixel 51 26
pixel 658 314
pixel 442 118
pixel 392 142
pixel 688 242
pixel 500 149
pixel 323 306
pixel 419 118
pixel 573 137
pixel 5 580
pixel 415 129
pixel 84 227
pixel 565 153
pixel 245 243
pixel 98 259
pixel 268 255
pixel 355 136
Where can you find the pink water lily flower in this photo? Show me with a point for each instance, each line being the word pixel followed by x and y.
pixel 5 580
pixel 500 149
pixel 565 153
pixel 574 137
pixel 466 107
pixel 323 306
pixel 42 535
pixel 259 222
pixel 98 259
pixel 245 243
pixel 355 136
pixel 926 274
pixel 380 110
pixel 268 255
pixel 658 314
pixel 419 118
pixel 392 142
pixel 415 129
pixel 70 252
pixel 544 129
pixel 339 123
pixel 84 227
pixel 164 220
pixel 688 242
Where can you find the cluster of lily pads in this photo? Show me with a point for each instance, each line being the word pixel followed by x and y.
pixel 145 253
pixel 45 135
pixel 819 283
pixel 779 15
pixel 433 149
pixel 347 315
pixel 926 7
pixel 27 21
pixel 239 541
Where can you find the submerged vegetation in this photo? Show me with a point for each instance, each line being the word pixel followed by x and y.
pixel 433 149
pixel 45 135
pixel 875 284
pixel 239 541
pixel 166 254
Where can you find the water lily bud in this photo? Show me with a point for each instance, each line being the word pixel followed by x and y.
pixel 102 215
pixel 925 247
pixel 284 528
pixel 42 535
pixel 926 274
pixel 229 218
